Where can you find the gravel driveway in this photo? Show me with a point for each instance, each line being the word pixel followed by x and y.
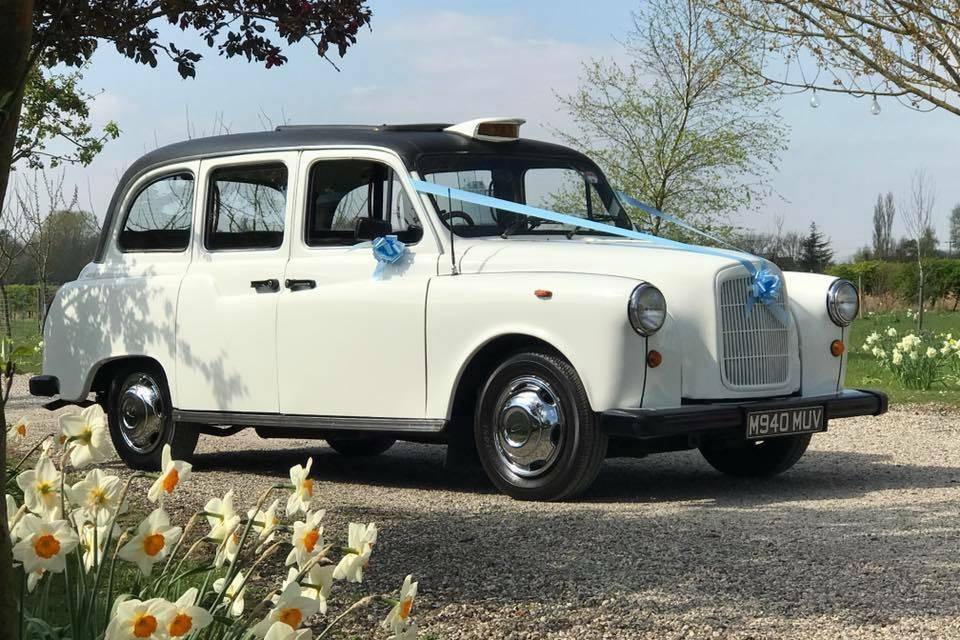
pixel 859 540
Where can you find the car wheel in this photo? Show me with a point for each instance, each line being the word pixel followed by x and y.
pixel 139 414
pixel 754 459
pixel 361 446
pixel 536 435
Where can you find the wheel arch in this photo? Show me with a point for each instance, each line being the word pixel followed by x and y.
pixel 106 370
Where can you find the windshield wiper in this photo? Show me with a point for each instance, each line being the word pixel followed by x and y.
pixel 517 224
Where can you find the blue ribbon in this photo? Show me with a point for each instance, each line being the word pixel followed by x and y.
pixel 387 250
pixel 763 288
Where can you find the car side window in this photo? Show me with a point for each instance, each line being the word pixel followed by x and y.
pixel 159 218
pixel 345 196
pixel 246 207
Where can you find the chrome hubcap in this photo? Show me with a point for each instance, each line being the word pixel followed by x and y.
pixel 529 426
pixel 141 413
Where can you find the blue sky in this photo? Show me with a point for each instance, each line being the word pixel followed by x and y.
pixel 426 61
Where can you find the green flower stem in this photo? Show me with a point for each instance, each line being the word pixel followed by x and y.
pixel 106 544
pixel 176 547
pixel 13 472
pixel 362 602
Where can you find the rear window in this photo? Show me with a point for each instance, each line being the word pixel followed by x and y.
pixel 159 218
pixel 246 207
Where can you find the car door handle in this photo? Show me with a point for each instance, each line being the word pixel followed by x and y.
pixel 300 285
pixel 266 286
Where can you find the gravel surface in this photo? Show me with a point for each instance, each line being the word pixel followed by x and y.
pixel 859 540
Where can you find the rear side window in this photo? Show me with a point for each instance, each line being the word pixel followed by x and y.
pixel 246 207
pixel 160 215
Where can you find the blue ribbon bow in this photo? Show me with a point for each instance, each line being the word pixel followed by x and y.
pixel 765 289
pixel 387 250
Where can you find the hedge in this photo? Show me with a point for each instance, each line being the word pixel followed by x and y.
pixel 900 279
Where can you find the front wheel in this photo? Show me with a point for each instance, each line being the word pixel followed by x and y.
pixel 537 437
pixel 139 414
pixel 756 459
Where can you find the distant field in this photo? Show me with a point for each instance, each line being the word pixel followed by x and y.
pixel 26 331
pixel 863 370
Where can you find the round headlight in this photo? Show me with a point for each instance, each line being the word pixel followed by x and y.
pixel 647 309
pixel 843 302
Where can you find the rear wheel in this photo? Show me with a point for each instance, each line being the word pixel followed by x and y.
pixel 753 459
pixel 536 435
pixel 361 446
pixel 139 414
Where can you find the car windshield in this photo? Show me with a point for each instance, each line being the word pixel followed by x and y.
pixel 548 183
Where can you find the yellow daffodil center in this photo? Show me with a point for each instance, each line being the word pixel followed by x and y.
pixel 290 617
pixel 98 496
pixel 170 481
pixel 307 486
pixel 144 626
pixel 86 435
pixel 62 439
pixel 405 606
pixel 22 430
pixel 310 540
pixel 181 625
pixel 46 546
pixel 153 544
pixel 44 487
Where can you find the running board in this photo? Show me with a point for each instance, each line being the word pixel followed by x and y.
pixel 330 423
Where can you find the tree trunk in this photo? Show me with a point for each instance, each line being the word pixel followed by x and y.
pixel 16 27
pixel 6 310
pixel 920 310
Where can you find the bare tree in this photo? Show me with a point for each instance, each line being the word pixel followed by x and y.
pixel 904 49
pixel 13 243
pixel 883 214
pixel 917 212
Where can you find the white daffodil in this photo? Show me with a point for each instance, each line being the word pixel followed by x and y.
pixel 281 631
pixel 318 584
pixel 220 515
pixel 307 539
pixel 34 579
pixel 172 473
pixel 230 545
pixel 291 609
pixel 41 487
pixel 44 544
pixel 360 540
pixel 236 609
pixel 18 432
pixel 14 516
pixel 152 543
pixel 891 332
pixel 88 436
pixel 136 620
pixel 399 615
pixel 97 493
pixel 406 632
pixel 187 616
pixel 931 352
pixel 897 357
pixel 94 535
pixel 265 523
pixel 299 500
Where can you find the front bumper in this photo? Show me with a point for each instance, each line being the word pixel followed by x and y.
pixel 722 419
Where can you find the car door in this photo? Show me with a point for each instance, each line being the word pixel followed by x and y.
pixel 227 309
pixel 350 334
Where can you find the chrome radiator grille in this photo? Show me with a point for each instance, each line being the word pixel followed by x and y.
pixel 755 347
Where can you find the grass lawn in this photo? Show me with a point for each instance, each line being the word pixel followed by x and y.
pixel 25 331
pixel 863 370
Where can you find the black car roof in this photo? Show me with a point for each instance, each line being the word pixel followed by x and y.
pixel 409 141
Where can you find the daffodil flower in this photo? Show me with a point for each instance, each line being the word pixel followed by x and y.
pixel 97 493
pixel 265 523
pixel 13 518
pixel 17 434
pixel 399 615
pixel 291 608
pixel 220 516
pixel 172 473
pixel 360 540
pixel 236 609
pixel 187 616
pixel 41 487
pixel 281 631
pixel 93 535
pixel 87 434
pixel 307 539
pixel 316 585
pixel 299 500
pixel 34 579
pixel 230 545
pixel 44 544
pixel 152 543
pixel 406 632
pixel 136 620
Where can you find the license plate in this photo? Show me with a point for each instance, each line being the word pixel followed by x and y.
pixel 784 422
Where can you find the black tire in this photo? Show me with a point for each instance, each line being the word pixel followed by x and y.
pixel 574 444
pixel 361 446
pixel 748 459
pixel 145 454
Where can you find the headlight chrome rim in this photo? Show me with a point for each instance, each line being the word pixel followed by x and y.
pixel 646 309
pixel 838 298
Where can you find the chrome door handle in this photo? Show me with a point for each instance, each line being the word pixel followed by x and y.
pixel 271 285
pixel 300 285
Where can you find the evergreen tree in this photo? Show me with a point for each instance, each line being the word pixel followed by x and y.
pixel 815 251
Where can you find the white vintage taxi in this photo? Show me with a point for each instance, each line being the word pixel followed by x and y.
pixel 364 284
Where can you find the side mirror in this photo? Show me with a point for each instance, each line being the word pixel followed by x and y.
pixel 370 228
